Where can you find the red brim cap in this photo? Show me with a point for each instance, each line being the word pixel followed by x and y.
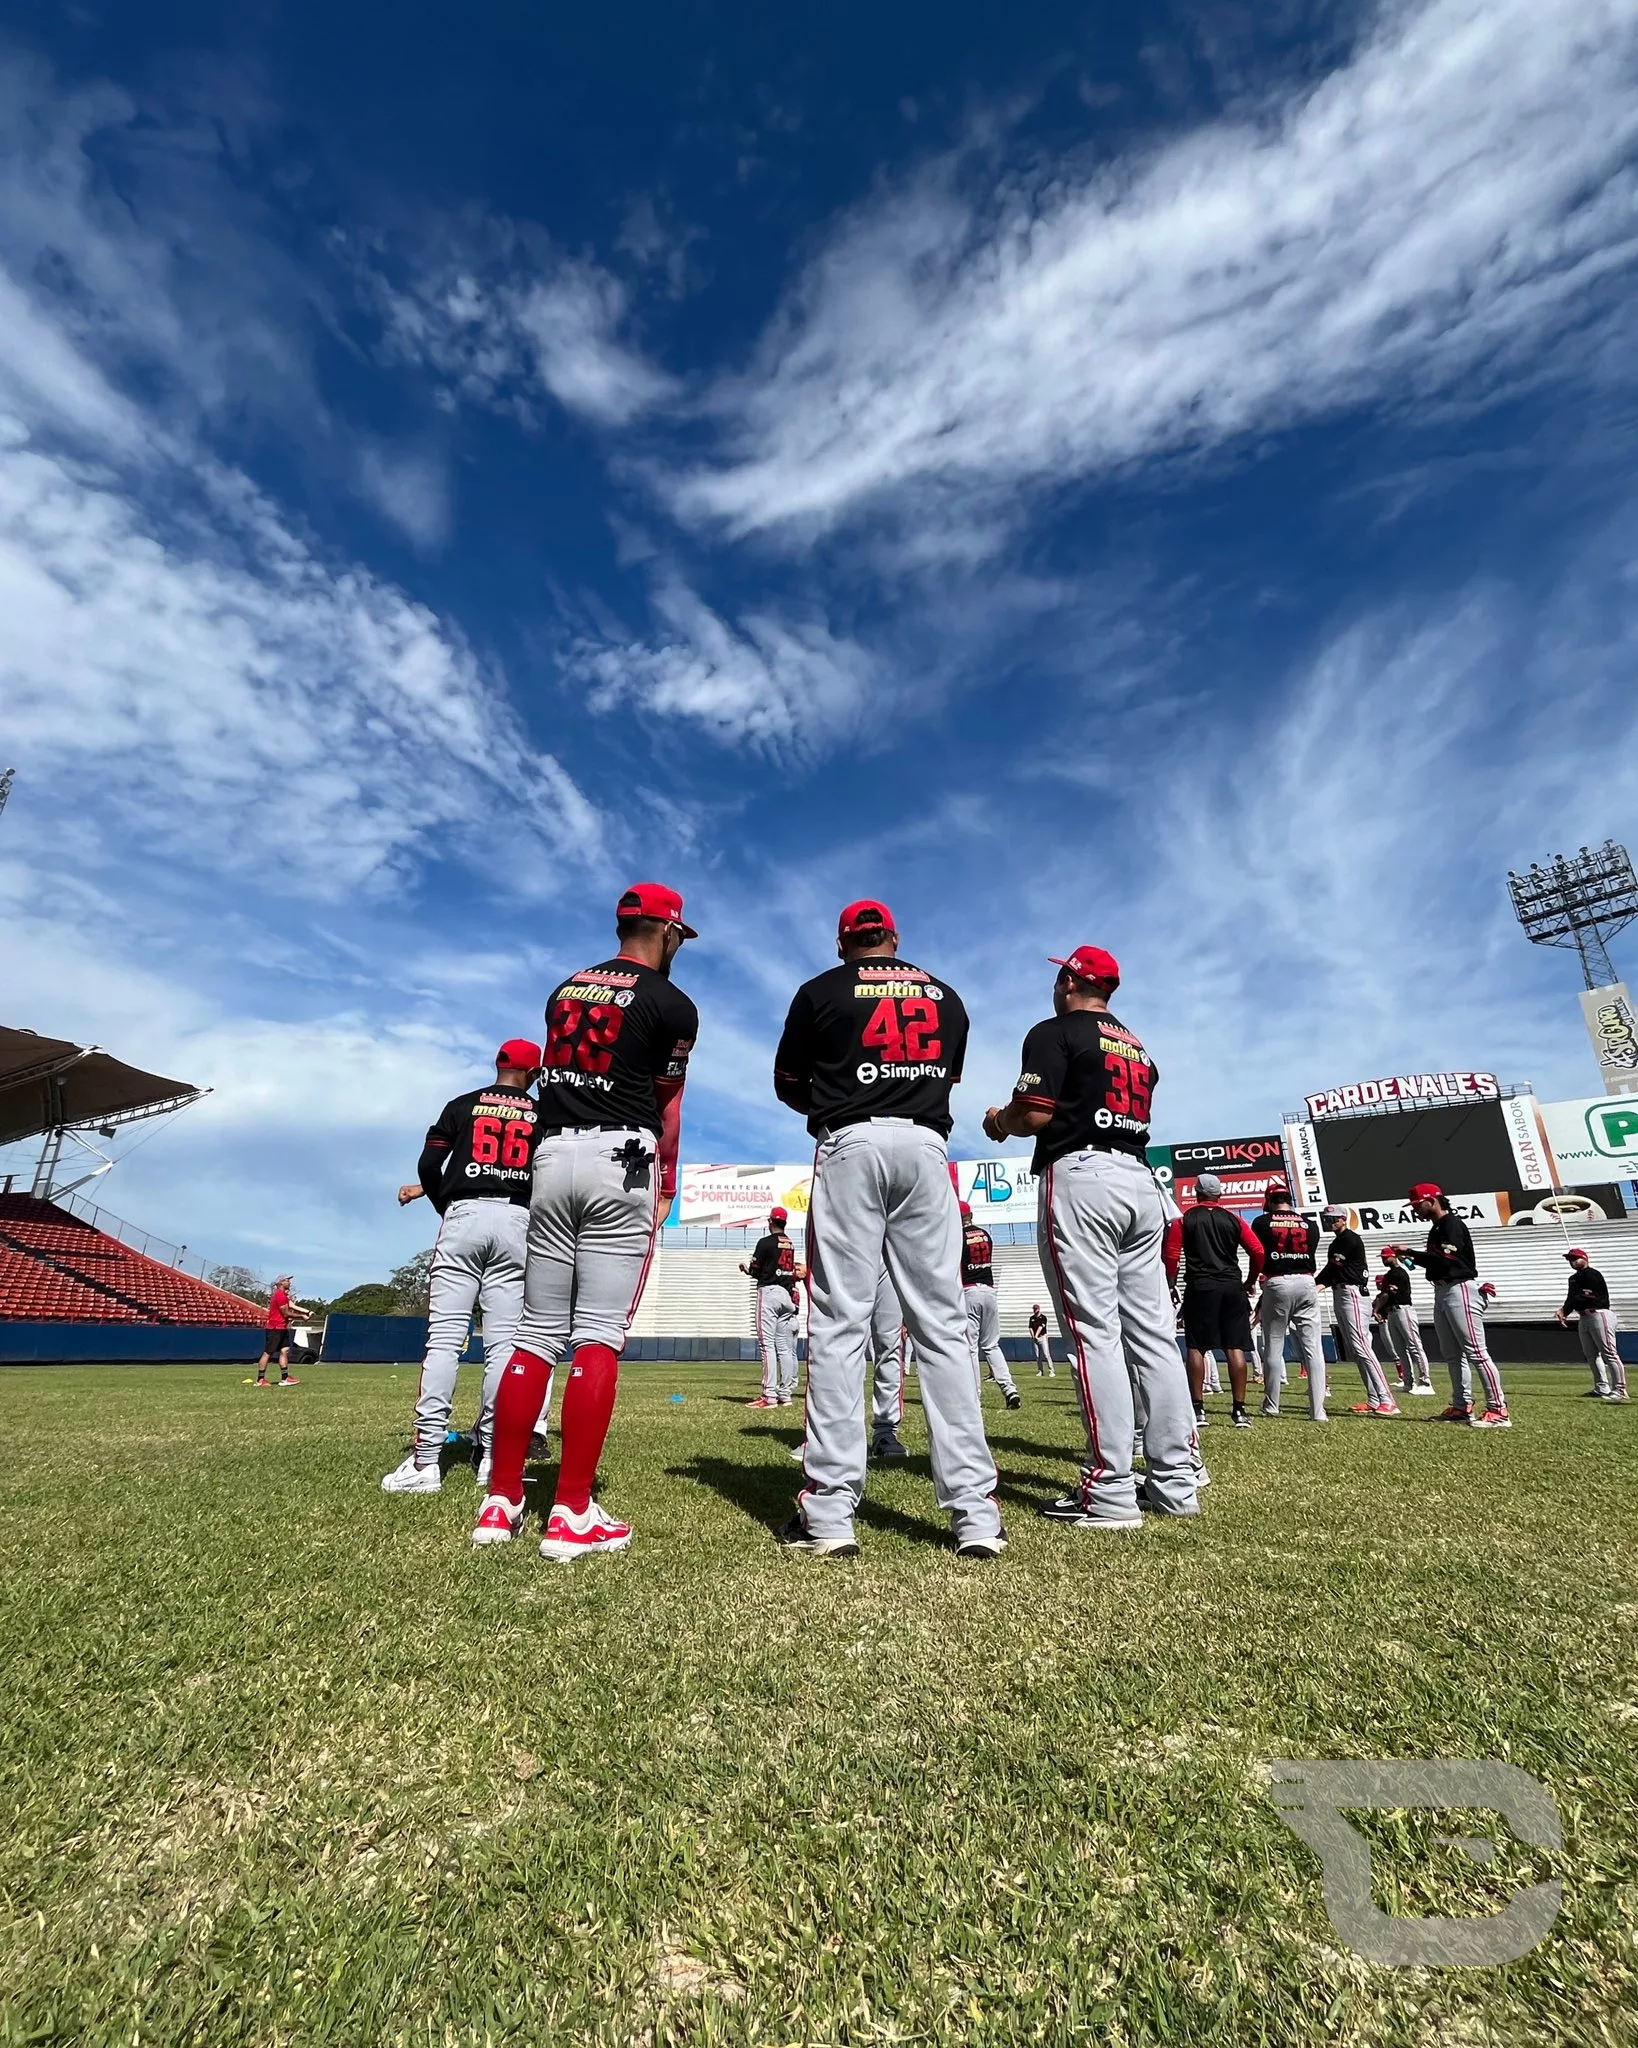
pixel 1426 1191
pixel 1091 963
pixel 518 1052
pixel 654 899
pixel 867 915
pixel 777 1216
pixel 1575 1252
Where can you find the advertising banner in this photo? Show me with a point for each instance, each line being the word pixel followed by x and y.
pixel 1521 1115
pixel 1613 1029
pixel 1593 1140
pixel 1428 1090
pixel 1307 1177
pixel 1247 1167
pixel 730 1197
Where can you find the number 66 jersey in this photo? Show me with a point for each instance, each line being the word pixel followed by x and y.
pixel 872 1038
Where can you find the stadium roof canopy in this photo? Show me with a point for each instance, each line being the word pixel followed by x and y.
pixel 48 1084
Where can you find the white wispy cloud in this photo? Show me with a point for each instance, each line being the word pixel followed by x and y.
pixel 505 317
pixel 769 680
pixel 1418 226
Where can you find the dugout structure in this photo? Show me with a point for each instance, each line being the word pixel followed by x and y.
pixel 58 1091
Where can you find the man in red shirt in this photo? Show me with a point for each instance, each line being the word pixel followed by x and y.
pixel 281 1305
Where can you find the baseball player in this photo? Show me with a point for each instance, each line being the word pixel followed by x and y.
pixel 1458 1310
pixel 1208 1240
pixel 888 1358
pixel 773 1266
pixel 617 1044
pixel 282 1307
pixel 869 1054
pixel 1392 1309
pixel 983 1311
pixel 1038 1338
pixel 1347 1274
pixel 1289 1299
pixel 1083 1095
pixel 474 1169
pixel 1589 1302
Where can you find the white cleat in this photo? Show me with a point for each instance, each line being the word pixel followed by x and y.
pixel 412 1478
pixel 486 1465
pixel 499 1520
pixel 570 1536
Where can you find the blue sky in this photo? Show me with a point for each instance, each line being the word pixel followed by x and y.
pixel 1157 476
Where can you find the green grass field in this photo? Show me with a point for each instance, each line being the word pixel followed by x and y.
pixel 283 1761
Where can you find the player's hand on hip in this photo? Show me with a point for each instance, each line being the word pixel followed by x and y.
pixel 411 1191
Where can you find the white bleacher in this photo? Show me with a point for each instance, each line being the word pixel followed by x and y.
pixel 700 1291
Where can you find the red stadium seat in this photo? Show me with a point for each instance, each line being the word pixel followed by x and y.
pixel 48 1257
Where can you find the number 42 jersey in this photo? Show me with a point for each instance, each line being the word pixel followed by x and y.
pixel 612 1031
pixel 872 1038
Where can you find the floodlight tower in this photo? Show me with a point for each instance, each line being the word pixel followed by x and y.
pixel 1582 902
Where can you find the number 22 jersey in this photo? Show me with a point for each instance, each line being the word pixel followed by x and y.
pixel 612 1031
pixel 872 1038
pixel 1097 1080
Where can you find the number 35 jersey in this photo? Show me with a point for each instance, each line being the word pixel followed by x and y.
pixel 483 1145
pixel 612 1031
pixel 1095 1077
pixel 872 1038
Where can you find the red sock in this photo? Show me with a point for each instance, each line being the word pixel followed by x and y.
pixel 588 1402
pixel 517 1403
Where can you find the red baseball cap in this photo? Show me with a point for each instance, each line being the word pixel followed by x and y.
pixel 867 915
pixel 966 1208
pixel 1092 963
pixel 1390 1252
pixel 654 899
pixel 518 1052
pixel 1575 1252
pixel 1427 1191
pixel 777 1216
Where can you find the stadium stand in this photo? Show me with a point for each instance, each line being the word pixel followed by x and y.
pixel 56 1268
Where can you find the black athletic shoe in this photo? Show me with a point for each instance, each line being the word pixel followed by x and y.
pixel 1015 1399
pixel 986 1549
pixel 887 1445
pixel 1242 1419
pixel 794 1536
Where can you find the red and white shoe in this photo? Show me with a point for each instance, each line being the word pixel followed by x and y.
pixel 1492 1418
pixel 499 1520
pixel 569 1536
pixel 1455 1414
pixel 761 1402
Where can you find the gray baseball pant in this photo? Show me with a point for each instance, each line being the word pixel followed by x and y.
pixel 887 1359
pixel 776 1339
pixel 593 1219
pixel 1290 1301
pixel 1458 1320
pixel 984 1335
pixel 1596 1328
pixel 1354 1339
pixel 1405 1335
pixel 1100 1226
pixel 882 1195
pixel 477 1262
pixel 1043 1359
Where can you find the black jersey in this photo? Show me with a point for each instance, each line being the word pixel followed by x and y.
pixel 1212 1240
pixel 483 1146
pixel 872 1038
pixel 1097 1080
pixel 773 1263
pixel 977 1257
pixel 1589 1290
pixel 1037 1323
pixel 1394 1288
pixel 1289 1242
pixel 612 1031
pixel 1449 1255
pixel 1345 1263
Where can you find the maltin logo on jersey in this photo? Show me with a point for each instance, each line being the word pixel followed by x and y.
pixel 1613 1129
